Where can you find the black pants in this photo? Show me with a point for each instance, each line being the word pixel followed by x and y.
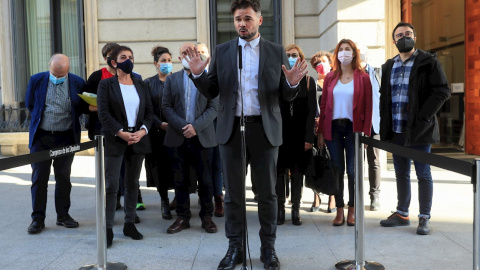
pixel 192 152
pixel 262 157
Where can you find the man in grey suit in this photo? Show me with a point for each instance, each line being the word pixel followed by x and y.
pixel 261 84
pixel 190 140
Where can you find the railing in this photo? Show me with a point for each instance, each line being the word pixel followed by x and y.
pixel 14 119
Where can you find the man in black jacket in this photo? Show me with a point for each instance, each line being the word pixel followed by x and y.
pixel 413 90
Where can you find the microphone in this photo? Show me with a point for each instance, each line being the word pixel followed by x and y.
pixel 240 59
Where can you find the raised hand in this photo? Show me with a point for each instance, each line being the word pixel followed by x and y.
pixel 297 72
pixel 197 66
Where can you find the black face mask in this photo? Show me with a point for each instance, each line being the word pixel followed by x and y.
pixel 126 66
pixel 109 62
pixel 405 44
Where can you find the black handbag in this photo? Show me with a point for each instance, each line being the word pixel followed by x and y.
pixel 321 174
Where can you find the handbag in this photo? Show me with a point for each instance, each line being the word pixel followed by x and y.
pixel 321 174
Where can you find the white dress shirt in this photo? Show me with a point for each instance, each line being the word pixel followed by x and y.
pixel 248 84
pixel 131 101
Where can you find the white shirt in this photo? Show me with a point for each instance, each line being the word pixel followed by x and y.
pixel 248 81
pixel 131 100
pixel 343 100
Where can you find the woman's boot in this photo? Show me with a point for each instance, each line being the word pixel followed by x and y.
pixel 351 216
pixel 340 218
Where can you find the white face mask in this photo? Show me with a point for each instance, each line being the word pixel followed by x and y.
pixel 345 57
pixel 185 63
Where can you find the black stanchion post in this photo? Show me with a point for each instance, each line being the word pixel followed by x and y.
pixel 102 263
pixel 359 263
pixel 476 218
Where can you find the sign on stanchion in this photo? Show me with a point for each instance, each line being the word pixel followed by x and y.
pixel 359 263
pixel 102 263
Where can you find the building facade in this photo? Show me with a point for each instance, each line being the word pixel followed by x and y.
pixel 37 29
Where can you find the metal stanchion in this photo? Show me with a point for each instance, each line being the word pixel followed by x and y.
pixel 102 263
pixel 476 218
pixel 359 263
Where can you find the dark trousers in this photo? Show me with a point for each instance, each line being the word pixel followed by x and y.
pixel 297 187
pixel 62 167
pixel 133 167
pixel 192 152
pixel 342 151
pixel 374 170
pixel 262 157
pixel 402 174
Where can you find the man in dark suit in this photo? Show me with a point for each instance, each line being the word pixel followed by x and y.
pixel 190 138
pixel 261 84
pixel 55 109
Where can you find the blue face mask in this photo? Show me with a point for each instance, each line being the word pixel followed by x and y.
pixel 56 80
pixel 165 68
pixel 292 61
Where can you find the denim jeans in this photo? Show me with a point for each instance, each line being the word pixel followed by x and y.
pixel 342 150
pixel 402 174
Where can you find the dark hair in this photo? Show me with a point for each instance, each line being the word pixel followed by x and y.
pixel 316 58
pixel 355 61
pixel 108 48
pixel 400 24
pixel 157 51
pixel 117 50
pixel 242 4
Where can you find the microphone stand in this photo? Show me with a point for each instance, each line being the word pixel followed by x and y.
pixel 244 164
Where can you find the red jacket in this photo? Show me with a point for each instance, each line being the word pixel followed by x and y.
pixel 362 104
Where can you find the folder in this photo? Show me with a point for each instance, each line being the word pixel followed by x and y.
pixel 89 98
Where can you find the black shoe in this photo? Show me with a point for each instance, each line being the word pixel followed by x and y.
pixel 67 221
pixel 269 259
pixel 233 257
pixel 36 226
pixel 166 213
pixel 423 228
pixel 296 220
pixel 281 215
pixel 109 237
pixel 137 219
pixel 395 219
pixel 129 229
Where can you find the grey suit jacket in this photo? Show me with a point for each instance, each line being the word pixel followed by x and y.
pixel 222 79
pixel 173 108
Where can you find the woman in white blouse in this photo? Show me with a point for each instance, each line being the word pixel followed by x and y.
pixel 125 111
pixel 346 108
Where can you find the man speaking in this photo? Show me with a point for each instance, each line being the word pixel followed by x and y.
pixel 255 90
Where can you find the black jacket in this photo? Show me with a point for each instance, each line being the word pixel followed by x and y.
pixel 427 91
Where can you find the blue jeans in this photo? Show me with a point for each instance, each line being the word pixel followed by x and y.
pixel 402 174
pixel 342 150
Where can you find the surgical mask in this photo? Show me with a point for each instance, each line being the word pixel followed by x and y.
pixel 56 80
pixel 165 68
pixel 322 68
pixel 126 66
pixel 345 57
pixel 185 63
pixel 405 44
pixel 109 61
pixel 292 61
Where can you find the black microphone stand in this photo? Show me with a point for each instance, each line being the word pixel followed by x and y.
pixel 244 164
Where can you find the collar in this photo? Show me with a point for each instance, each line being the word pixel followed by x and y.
pixel 397 58
pixel 254 43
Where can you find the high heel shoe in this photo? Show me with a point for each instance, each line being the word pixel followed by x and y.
pixel 351 216
pixel 331 204
pixel 340 218
pixel 316 208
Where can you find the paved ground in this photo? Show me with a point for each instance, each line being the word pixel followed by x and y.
pixel 314 245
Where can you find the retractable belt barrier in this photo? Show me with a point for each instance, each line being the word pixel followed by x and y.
pixel 12 162
pixel 451 164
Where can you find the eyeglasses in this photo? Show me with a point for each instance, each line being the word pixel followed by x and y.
pixel 406 34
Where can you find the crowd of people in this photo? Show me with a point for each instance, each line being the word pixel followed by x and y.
pixel 184 126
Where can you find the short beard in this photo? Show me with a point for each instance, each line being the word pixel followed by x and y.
pixel 248 36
